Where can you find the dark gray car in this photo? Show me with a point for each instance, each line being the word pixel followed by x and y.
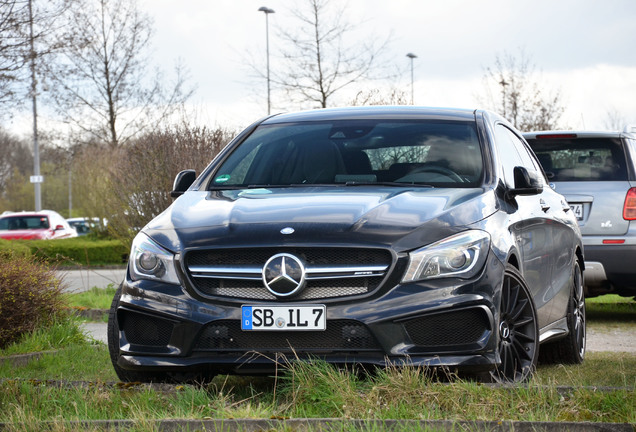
pixel 360 236
pixel 595 172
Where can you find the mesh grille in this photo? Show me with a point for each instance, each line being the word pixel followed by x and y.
pixel 314 289
pixel 339 335
pixel 141 329
pixel 453 328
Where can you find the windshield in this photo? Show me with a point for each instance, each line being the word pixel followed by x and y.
pixel 428 153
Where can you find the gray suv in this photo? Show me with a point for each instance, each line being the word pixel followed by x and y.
pixel 596 173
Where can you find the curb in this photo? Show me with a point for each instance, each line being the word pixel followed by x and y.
pixel 20 360
pixel 259 425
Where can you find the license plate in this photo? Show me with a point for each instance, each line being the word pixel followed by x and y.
pixel 307 317
pixel 577 209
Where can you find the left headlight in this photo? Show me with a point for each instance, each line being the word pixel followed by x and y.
pixel 462 255
pixel 148 260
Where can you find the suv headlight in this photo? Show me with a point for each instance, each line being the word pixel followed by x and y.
pixel 461 255
pixel 148 260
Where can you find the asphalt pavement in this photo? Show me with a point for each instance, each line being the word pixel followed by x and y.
pixel 78 280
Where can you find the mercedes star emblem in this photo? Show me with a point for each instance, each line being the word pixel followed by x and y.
pixel 284 274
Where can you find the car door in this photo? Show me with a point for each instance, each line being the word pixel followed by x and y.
pixel 562 228
pixel 534 231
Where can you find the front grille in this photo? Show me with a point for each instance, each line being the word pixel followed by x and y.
pixel 331 272
pixel 315 289
pixel 140 329
pixel 310 255
pixel 449 328
pixel 343 335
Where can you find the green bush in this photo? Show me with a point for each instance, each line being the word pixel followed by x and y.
pixel 79 251
pixel 30 297
pixel 9 248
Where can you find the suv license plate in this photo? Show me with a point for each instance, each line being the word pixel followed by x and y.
pixel 307 317
pixel 577 209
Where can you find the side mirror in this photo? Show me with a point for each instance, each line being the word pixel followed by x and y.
pixel 182 182
pixel 526 182
pixel 59 227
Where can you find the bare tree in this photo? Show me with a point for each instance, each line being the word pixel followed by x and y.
pixel 101 81
pixel 316 61
pixel 13 17
pixel 129 188
pixel 392 96
pixel 15 157
pixel 614 119
pixel 514 91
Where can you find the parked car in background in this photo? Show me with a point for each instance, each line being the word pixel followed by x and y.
pixel 596 172
pixel 42 225
pixel 371 235
pixel 85 225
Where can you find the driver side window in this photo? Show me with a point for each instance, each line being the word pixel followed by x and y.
pixel 512 153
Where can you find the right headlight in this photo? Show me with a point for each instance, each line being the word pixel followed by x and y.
pixel 148 260
pixel 461 255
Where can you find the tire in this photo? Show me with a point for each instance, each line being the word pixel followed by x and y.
pixel 518 332
pixel 113 349
pixel 571 349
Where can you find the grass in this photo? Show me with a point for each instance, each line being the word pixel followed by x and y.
pixel 95 298
pixel 314 390
pixel 61 334
pixel 318 390
pixel 610 312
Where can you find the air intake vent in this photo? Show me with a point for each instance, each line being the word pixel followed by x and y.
pixel 446 329
pixel 141 329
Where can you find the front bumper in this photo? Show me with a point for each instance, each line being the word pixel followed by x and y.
pixel 445 323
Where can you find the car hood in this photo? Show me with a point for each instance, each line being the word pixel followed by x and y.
pixel 403 218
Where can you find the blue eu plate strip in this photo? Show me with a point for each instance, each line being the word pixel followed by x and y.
pixel 246 319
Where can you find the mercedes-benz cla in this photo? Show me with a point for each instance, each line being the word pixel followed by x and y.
pixel 360 236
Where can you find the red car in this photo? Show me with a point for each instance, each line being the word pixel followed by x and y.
pixel 42 225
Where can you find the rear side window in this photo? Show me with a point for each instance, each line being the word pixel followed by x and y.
pixel 24 222
pixel 581 159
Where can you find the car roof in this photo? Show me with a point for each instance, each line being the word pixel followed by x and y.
pixel 374 112
pixel 578 134
pixel 29 213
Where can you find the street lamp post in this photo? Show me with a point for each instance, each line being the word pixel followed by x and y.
pixel 267 11
pixel 36 179
pixel 411 56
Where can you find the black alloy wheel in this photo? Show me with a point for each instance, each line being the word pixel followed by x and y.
pixel 576 317
pixel 518 331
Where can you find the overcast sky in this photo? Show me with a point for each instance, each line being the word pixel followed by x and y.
pixel 586 49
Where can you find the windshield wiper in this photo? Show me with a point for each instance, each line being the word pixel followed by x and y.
pixel 331 185
pixel 386 183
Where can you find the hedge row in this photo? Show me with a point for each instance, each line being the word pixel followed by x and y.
pixel 13 248
pixel 73 251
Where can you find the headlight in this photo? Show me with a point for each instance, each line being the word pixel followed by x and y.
pixel 148 260
pixel 461 255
